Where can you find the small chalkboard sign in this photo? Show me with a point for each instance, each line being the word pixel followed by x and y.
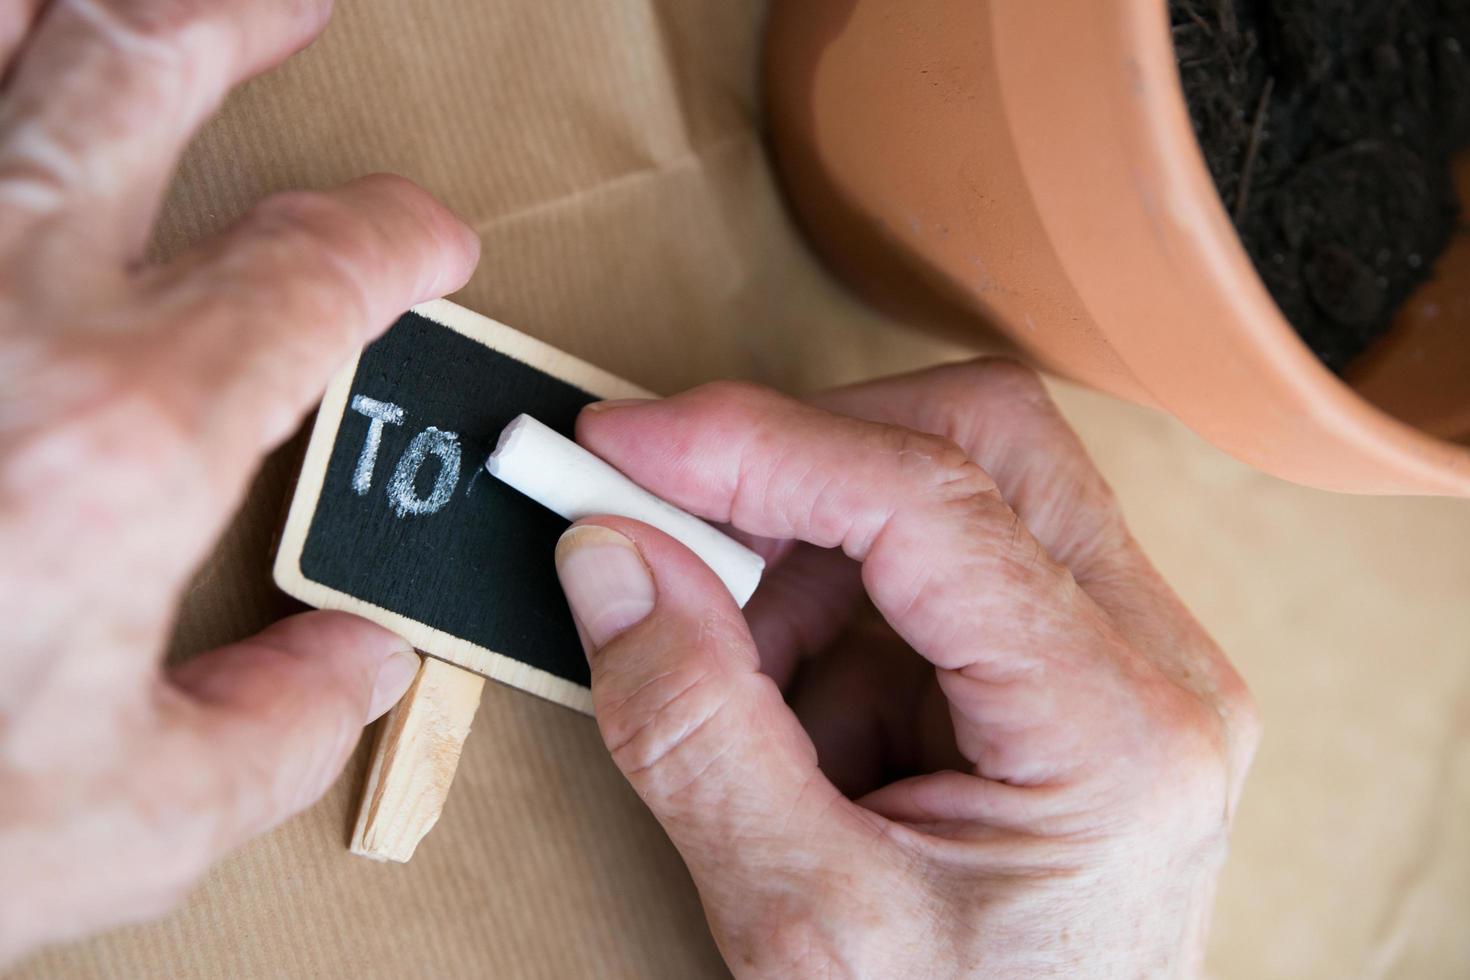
pixel 396 520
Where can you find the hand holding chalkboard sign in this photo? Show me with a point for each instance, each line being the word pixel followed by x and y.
pixel 135 404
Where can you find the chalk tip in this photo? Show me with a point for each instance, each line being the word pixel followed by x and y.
pixel 507 440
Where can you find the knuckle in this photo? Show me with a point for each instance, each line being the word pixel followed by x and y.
pixel 934 465
pixel 295 218
pixel 742 403
pixel 664 734
pixel 304 238
pixel 661 715
pixel 997 384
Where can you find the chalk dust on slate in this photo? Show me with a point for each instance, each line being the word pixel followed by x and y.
pixel 1330 127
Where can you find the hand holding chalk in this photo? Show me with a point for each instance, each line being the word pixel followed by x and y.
pixel 1038 745
pixel 562 476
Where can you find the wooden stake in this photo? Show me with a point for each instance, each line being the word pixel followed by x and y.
pixel 417 753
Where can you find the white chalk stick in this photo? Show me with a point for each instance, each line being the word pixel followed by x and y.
pixel 562 476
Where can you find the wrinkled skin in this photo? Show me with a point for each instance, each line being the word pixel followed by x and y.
pixel 135 402
pixel 963 728
pixel 1008 749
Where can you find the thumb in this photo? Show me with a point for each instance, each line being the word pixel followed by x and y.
pixel 280 713
pixel 701 734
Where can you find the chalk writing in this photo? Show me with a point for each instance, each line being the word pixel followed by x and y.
pixel 380 413
pixel 416 527
pixel 402 493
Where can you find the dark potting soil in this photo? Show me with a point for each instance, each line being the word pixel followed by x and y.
pixel 1329 127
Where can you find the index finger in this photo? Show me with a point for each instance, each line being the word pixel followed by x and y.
pixel 1000 414
pixel 1023 652
pixel 260 317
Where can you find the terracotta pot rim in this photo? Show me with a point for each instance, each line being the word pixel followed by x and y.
pixel 1193 231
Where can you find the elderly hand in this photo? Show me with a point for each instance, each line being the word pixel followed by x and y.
pixel 135 402
pixel 1024 764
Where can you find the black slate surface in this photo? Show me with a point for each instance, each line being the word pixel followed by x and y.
pixel 475 560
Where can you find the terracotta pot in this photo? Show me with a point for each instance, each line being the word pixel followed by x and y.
pixel 1031 166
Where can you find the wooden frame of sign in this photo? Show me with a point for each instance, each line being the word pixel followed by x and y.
pixel 297 576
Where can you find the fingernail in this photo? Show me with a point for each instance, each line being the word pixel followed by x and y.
pixel 617 403
pixel 394 678
pixel 607 585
